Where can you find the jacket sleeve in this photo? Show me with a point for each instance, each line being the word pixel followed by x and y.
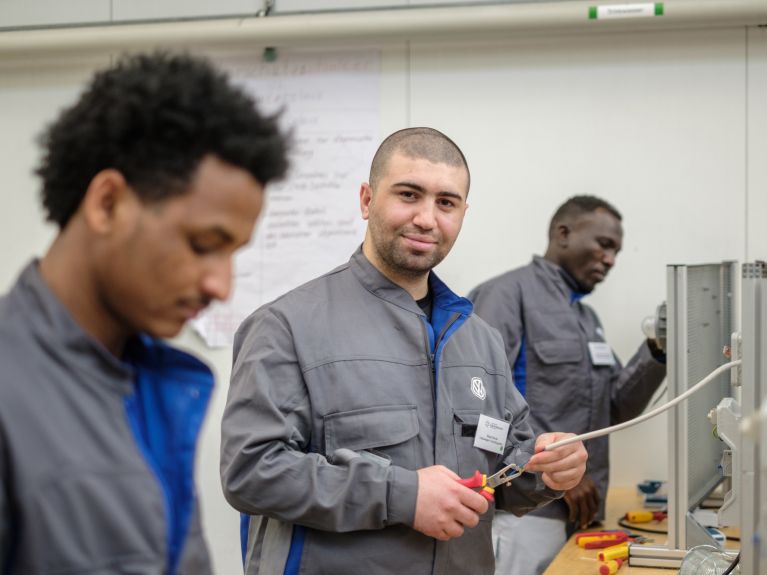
pixel 528 491
pixel 266 466
pixel 500 306
pixel 634 385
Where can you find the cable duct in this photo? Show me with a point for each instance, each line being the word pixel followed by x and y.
pixel 507 19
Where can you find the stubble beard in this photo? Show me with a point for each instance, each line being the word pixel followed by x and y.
pixel 403 261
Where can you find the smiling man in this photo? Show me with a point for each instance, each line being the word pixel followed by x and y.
pixel 359 399
pixel 564 368
pixel 154 177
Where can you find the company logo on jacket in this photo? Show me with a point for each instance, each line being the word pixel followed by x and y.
pixel 478 388
pixel 600 332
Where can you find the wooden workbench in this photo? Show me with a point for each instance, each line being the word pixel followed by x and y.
pixel 572 560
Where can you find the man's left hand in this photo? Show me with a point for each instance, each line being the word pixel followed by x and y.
pixel 562 468
pixel 583 502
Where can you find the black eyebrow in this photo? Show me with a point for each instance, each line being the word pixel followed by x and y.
pixel 421 189
pixel 411 185
pixel 450 195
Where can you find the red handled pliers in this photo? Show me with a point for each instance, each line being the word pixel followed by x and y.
pixel 487 484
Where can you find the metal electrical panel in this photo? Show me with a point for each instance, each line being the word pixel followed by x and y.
pixel 701 318
pixel 753 472
pixel 704 305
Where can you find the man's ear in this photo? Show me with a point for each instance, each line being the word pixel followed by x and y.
pixel 103 198
pixel 562 235
pixel 366 196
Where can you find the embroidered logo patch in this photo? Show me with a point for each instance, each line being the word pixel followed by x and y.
pixel 478 388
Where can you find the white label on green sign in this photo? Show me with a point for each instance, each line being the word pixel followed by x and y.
pixel 625 11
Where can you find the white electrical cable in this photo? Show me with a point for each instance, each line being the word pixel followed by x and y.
pixel 650 414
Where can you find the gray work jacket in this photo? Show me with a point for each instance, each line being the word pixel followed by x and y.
pixel 534 309
pixel 346 362
pixel 78 494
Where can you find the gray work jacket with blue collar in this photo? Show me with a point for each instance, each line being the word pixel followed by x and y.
pixel 340 391
pixel 546 331
pixel 96 454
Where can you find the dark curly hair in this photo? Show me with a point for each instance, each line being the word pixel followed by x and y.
pixel 153 117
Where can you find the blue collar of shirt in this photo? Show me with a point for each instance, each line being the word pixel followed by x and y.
pixel 577 296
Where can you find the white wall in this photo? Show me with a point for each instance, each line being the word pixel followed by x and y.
pixel 655 123
pixel 756 208
pixel 670 126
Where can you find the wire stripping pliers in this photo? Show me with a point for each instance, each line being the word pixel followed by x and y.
pixel 487 484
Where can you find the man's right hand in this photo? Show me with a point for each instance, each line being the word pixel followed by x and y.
pixel 583 502
pixel 443 506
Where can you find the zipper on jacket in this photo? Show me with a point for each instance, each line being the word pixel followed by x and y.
pixel 430 357
pixel 433 372
pixel 444 329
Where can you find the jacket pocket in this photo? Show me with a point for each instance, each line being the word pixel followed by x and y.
pixel 95 520
pixel 554 351
pixel 470 458
pixel 387 431
pixel 558 385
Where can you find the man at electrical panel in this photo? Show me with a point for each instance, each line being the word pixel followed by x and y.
pixel 154 177
pixel 359 400
pixel 565 369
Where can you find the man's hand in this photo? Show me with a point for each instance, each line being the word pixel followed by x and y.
pixel 443 506
pixel 562 468
pixel 655 350
pixel 583 502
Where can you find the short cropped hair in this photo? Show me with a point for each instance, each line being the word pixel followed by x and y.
pixel 421 143
pixel 578 205
pixel 154 117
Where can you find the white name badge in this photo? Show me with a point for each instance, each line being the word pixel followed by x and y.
pixel 491 434
pixel 601 354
